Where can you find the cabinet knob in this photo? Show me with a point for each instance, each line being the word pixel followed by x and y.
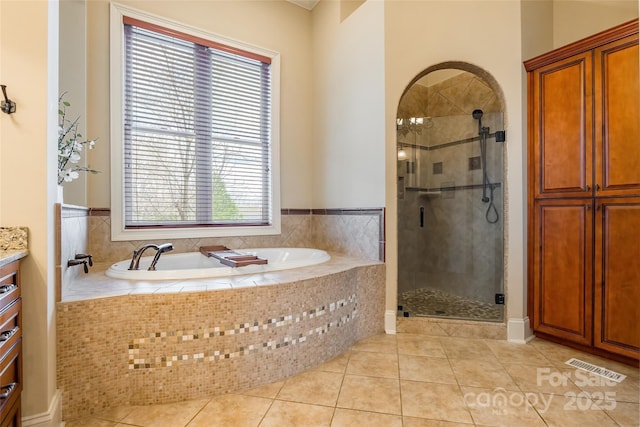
pixel 588 188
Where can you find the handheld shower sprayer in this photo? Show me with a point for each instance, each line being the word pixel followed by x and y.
pixel 483 132
pixel 477 114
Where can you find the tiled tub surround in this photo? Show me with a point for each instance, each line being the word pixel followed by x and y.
pixel 127 343
pixel 354 232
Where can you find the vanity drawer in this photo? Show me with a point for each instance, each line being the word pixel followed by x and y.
pixel 13 417
pixel 10 379
pixel 10 325
pixel 9 280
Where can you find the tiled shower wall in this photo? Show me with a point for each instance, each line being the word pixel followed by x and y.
pixel 455 249
pixel 354 232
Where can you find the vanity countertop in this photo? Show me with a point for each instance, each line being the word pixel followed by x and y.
pixel 13 244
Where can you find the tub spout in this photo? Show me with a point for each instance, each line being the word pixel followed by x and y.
pixel 166 247
pixel 137 254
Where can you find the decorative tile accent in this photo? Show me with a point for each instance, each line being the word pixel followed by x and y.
pixel 135 362
pixel 437 168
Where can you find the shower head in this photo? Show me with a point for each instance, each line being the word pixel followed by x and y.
pixel 477 114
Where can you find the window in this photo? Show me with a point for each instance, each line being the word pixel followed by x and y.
pixel 197 153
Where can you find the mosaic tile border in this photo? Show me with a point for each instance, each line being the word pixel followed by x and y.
pixel 247 327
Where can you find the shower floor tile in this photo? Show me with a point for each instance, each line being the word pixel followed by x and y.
pixel 427 302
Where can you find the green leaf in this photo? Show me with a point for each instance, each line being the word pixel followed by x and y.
pixel 66 103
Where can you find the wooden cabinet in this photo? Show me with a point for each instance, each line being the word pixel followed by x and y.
pixel 617 276
pixel 584 193
pixel 10 344
pixel 562 269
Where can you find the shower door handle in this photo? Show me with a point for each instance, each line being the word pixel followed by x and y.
pixel 421 216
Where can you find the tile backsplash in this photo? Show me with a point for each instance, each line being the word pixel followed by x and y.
pixel 354 232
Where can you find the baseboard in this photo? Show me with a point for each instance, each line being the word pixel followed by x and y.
pixel 519 331
pixel 51 418
pixel 390 322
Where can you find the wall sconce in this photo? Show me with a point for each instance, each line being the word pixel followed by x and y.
pixel 7 106
pixel 402 153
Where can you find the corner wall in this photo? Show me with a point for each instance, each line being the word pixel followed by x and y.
pixel 421 34
pixel 348 107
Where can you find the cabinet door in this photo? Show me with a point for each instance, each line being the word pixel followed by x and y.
pixel 617 276
pixel 562 116
pixel 617 116
pixel 562 275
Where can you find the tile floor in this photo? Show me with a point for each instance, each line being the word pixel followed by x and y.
pixel 416 380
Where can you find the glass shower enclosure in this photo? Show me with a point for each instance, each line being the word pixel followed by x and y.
pixel 450 215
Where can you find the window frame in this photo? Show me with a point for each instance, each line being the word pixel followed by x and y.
pixel 119 232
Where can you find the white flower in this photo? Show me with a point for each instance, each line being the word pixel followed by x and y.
pixel 70 144
pixel 74 158
pixel 69 175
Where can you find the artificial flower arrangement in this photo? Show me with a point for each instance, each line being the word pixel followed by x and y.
pixel 70 143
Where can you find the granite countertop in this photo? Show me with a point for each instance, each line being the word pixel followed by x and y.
pixel 13 244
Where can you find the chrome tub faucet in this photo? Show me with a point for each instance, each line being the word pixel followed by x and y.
pixel 137 254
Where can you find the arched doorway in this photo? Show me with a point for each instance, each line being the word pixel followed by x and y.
pixel 450 146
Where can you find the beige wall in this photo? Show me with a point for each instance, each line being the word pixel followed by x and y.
pixel 275 25
pixel 574 19
pixel 348 113
pixel 72 66
pixel 27 167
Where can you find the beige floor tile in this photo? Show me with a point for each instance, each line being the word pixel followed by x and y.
pixel 268 390
pixel 499 407
pixel 373 364
pixel 467 348
pixel 542 379
pixel 337 364
pixel 568 411
pixel 293 414
pixel 625 414
pixel 370 394
pixel 559 354
pixel 598 387
pixel 481 373
pixel 165 415
pixel 383 343
pixel 420 325
pixel 428 369
pixel 116 413
pixel 232 410
pixel 420 345
pixel 89 422
pixel 350 418
pixel 508 352
pixel 314 387
pixel 434 401
pixel 423 422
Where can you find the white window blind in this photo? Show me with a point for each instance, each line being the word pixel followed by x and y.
pixel 197 134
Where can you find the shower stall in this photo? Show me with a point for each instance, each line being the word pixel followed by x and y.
pixel 450 201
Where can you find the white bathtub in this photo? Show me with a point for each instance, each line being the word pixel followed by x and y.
pixel 194 265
